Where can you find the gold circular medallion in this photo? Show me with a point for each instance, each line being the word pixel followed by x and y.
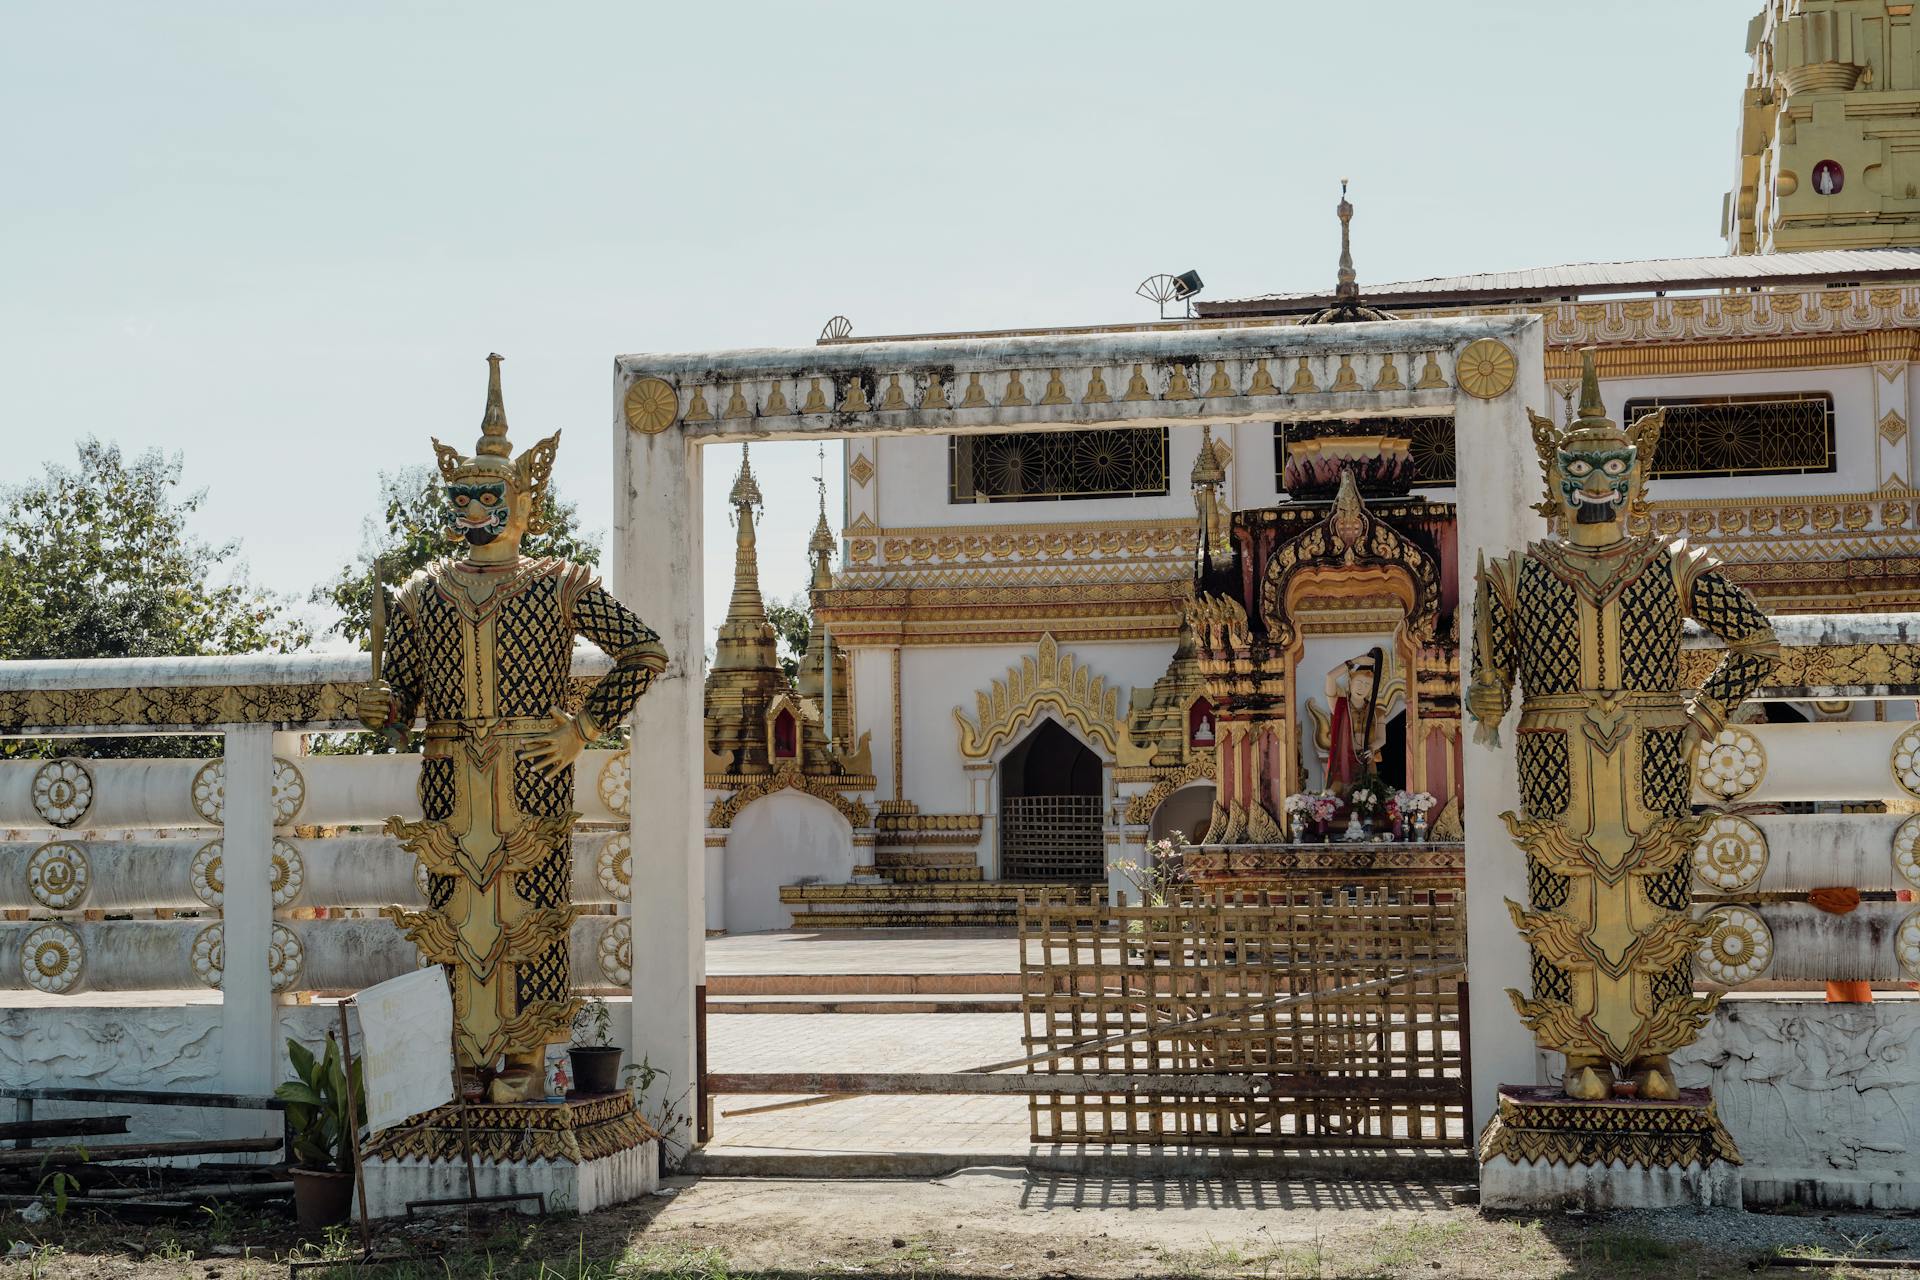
pixel 1485 368
pixel 651 406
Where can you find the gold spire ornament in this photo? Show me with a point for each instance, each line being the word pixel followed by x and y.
pixel 1588 623
pixel 479 644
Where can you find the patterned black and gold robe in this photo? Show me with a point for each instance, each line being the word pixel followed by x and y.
pixel 1594 640
pixel 485 657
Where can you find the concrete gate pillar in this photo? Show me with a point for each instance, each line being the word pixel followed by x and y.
pixel 657 573
pixel 1499 481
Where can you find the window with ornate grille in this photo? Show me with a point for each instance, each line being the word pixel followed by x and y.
pixel 1040 466
pixel 1750 435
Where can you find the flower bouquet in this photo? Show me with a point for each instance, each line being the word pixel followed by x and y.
pixel 1411 808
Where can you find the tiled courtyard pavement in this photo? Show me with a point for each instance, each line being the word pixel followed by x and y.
pixel 866 1042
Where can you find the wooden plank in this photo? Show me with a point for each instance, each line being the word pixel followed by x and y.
pixel 108 1153
pixel 1129 1084
pixel 146 1097
pixel 70 1127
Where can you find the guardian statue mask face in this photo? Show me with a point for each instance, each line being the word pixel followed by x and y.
pixel 493 498
pixel 1596 484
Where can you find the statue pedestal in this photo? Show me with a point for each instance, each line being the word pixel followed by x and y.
pixel 1545 1151
pixel 583 1154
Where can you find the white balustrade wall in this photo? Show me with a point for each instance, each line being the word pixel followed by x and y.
pixel 163 922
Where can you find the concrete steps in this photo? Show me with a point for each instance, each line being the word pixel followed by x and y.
pixel 921 905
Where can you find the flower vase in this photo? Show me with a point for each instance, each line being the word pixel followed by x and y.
pixel 1298 823
pixel 1420 828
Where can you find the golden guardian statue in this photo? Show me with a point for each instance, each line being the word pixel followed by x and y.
pixel 481 644
pixel 1589 622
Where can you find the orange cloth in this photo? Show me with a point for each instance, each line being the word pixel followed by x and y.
pixel 1838 901
pixel 1849 993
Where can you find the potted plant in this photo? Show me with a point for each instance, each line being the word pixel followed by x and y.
pixel 323 1134
pixel 596 1059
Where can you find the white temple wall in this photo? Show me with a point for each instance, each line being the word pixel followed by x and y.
pixel 872 680
pixel 779 839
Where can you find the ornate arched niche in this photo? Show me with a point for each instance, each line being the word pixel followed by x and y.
pixel 1351 574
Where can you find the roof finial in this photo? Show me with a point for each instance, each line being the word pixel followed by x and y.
pixel 1349 287
pixel 745 497
pixel 493 423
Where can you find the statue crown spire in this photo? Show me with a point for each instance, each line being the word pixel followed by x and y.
pixel 493 423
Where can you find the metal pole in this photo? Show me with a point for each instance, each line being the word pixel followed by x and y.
pixel 353 1128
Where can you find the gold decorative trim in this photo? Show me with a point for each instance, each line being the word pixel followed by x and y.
pixel 1485 368
pixel 1906 946
pixel 1737 948
pixel 574 1132
pixel 615 783
pixel 1731 855
pixel 1141 808
pixel 651 405
pixel 63 791
pixel 1730 766
pixel 727 808
pixel 1050 678
pixel 52 958
pixel 1906 851
pixel 192 706
pixel 1905 759
pixel 208 791
pixel 58 875
pixel 1541 1124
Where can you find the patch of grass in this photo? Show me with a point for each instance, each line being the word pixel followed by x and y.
pixel 1252 1258
pixel 672 1262
pixel 1628 1254
pixel 1407 1244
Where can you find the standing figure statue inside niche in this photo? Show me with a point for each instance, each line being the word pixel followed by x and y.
pixel 1589 623
pixel 1356 733
pixel 482 644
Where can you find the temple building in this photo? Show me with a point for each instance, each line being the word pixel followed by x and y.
pixel 1827 117
pixel 1046 644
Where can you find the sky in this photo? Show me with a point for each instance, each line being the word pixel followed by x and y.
pixel 281 239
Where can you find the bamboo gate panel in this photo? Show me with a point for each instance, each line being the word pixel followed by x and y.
pixel 1386 1067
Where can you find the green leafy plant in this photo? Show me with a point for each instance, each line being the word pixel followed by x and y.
pixel 317 1112
pixel 593 1025
pixel 60 1188
pixel 668 1114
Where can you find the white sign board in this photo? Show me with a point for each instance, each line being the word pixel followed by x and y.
pixel 406 1035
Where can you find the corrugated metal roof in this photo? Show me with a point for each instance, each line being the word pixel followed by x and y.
pixel 1579 279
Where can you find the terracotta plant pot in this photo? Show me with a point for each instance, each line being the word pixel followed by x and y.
pixel 321 1197
pixel 596 1069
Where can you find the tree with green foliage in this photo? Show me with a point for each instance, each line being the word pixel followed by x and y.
pixel 792 623
pixel 410 535
pixel 96 561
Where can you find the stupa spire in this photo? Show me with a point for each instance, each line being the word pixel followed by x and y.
pixel 746 637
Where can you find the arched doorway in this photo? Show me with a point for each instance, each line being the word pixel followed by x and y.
pixel 1050 822
pixel 1187 812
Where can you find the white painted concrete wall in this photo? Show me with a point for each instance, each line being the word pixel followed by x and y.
pixel 779 839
